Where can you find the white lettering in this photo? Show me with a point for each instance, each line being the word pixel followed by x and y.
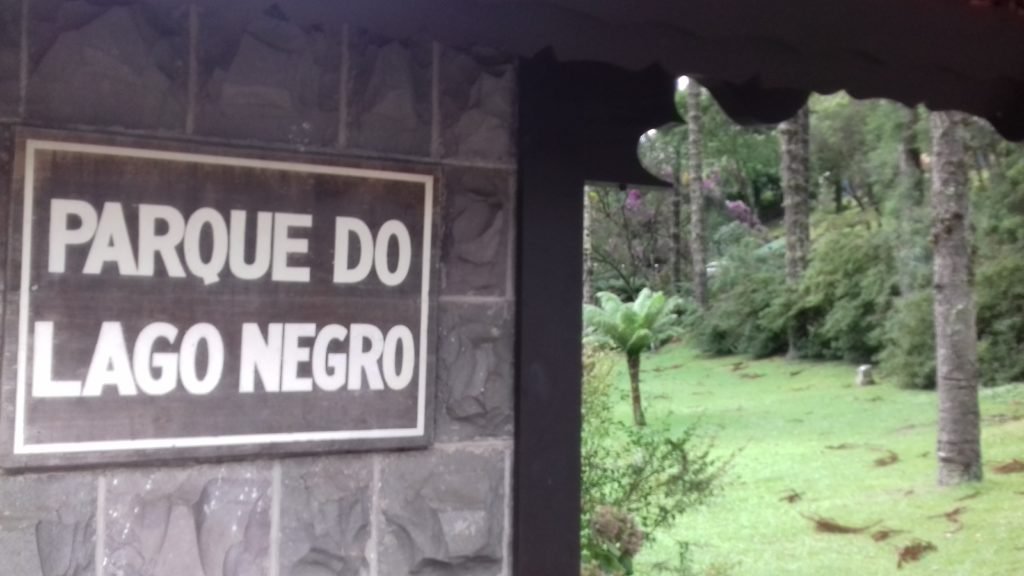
pixel 398 231
pixel 110 365
pixel 343 227
pixel 329 370
pixel 43 384
pixel 284 245
pixel 362 361
pixel 399 336
pixel 62 235
pixel 201 333
pixel 209 270
pixel 111 243
pixel 143 359
pixel 261 258
pixel 166 245
pixel 261 356
pixel 293 354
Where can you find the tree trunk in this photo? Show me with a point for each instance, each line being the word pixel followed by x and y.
pixel 677 219
pixel 698 214
pixel 910 156
pixel 956 343
pixel 794 140
pixel 909 190
pixel 588 252
pixel 634 387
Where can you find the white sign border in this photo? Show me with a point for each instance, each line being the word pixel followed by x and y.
pixel 22 448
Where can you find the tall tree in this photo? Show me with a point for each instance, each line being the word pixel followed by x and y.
pixel 675 229
pixel 956 340
pixel 588 251
pixel 910 156
pixel 632 328
pixel 698 213
pixel 794 142
pixel 909 189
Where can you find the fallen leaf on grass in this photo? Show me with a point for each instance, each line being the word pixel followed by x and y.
pixel 1013 467
pixel 953 517
pixel 914 551
pixel 843 446
pixel 666 368
pixel 792 497
pixel 970 496
pixel 751 376
pixel 739 366
pixel 796 373
pixel 888 460
pixel 884 534
pixel 829 526
pixel 903 430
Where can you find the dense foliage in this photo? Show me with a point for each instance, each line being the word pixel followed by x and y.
pixel 865 296
pixel 746 288
pixel 846 294
pixel 635 481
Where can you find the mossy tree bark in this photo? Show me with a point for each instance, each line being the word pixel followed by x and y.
pixel 909 196
pixel 588 252
pixel 633 360
pixel 698 211
pixel 675 229
pixel 794 142
pixel 956 341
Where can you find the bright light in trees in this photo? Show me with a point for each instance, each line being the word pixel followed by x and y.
pixel 682 83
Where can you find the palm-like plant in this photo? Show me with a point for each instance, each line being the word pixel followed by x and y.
pixel 632 328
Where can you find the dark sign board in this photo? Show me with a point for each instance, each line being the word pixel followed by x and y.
pixel 165 301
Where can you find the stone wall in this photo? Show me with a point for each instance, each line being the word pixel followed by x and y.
pixel 291 75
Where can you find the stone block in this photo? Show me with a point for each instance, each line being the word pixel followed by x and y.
pixel 48 524
pixel 111 64
pixel 390 95
pixel 202 520
pixel 475 372
pixel 444 513
pixel 477 231
pixel 10 57
pixel 478 106
pixel 325 516
pixel 264 76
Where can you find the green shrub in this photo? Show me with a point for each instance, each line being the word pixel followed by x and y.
pixel 1000 300
pixel 745 294
pixel 909 354
pixel 635 481
pixel 846 294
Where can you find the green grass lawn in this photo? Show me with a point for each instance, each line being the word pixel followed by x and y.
pixel 803 428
